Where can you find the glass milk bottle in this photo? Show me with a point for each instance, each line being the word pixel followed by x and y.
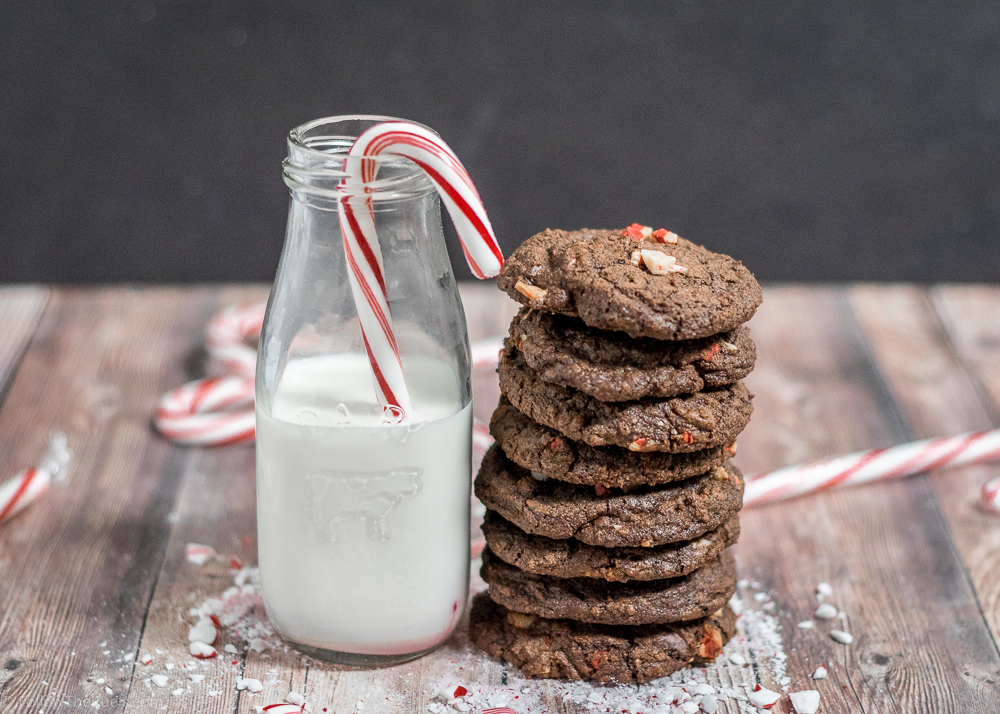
pixel 362 523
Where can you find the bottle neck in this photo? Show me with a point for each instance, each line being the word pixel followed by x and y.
pixel 317 166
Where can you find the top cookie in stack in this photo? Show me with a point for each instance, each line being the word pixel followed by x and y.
pixel 610 500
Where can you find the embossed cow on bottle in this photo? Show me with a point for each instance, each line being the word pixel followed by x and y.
pixel 336 497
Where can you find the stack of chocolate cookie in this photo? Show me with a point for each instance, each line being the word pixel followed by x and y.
pixel 611 502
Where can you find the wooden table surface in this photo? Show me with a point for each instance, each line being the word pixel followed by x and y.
pixel 97 566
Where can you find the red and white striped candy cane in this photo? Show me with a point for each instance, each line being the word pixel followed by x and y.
pixel 879 464
pixel 226 339
pixel 21 490
pixel 364 256
pixel 31 484
pixel 991 495
pixel 208 412
pixel 217 410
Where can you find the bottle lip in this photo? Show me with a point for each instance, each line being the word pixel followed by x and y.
pixel 317 151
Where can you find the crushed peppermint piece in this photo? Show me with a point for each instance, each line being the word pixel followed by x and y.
pixel 281 709
pixel 109 691
pixel 634 231
pixel 203 631
pixel 169 666
pixel 824 589
pixel 826 611
pixel 298 699
pixel 737 659
pixel 764 698
pixel 806 625
pixel 709 703
pixel 844 638
pixel 147 659
pixel 636 258
pixel 202 651
pixel 160 680
pixel 658 263
pixel 806 702
pixel 251 685
pixel 532 292
pixel 99 680
pixel 820 673
pixel 177 692
pixel 761 597
pixel 198 554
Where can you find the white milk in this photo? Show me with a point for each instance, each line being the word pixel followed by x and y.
pixel 363 529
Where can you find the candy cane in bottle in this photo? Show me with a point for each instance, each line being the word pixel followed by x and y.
pixel 363 394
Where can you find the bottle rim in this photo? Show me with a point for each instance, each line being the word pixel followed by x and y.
pixel 317 151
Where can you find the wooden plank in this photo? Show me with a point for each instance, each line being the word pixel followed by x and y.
pixel 21 308
pixel 942 395
pixel 969 316
pixel 77 568
pixel 921 644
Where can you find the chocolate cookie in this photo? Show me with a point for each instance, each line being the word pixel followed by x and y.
pixel 634 603
pixel 614 367
pixel 546 451
pixel 646 517
pixel 576 650
pixel 590 273
pixel 698 421
pixel 571 558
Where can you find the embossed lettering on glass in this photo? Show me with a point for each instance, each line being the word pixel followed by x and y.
pixel 363 526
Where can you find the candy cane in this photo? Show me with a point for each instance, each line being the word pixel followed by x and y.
pixel 208 412
pixel 880 464
pixel 364 256
pixel 226 339
pixel 991 495
pixel 217 410
pixel 30 484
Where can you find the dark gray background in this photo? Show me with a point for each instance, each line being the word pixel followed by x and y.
pixel 819 140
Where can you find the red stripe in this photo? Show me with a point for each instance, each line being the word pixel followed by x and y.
pixel 363 244
pixel 387 393
pixel 202 390
pixel 911 466
pixel 956 452
pixel 847 473
pixel 371 299
pixel 29 476
pixel 440 150
pixel 447 188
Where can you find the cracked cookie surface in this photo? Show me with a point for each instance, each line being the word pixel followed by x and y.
pixel 546 648
pixel 679 424
pixel 644 518
pixel 589 273
pixel 542 449
pixel 613 367
pixel 693 596
pixel 571 558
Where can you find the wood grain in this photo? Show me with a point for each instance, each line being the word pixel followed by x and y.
pixel 921 644
pixel 971 317
pixel 21 308
pixel 77 568
pixel 101 559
